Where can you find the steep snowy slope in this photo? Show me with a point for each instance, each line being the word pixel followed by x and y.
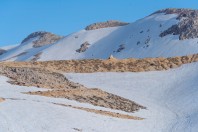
pixel 165 33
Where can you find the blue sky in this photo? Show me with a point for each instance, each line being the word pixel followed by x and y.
pixel 22 17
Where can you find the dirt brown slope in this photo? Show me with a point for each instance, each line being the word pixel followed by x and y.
pixel 61 87
pixel 95 97
pixel 110 65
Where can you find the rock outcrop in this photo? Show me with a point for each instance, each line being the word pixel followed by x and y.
pixel 83 47
pixel 106 24
pixel 2 51
pixel 187 28
pixel 42 38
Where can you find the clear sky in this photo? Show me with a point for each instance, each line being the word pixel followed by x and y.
pixel 22 17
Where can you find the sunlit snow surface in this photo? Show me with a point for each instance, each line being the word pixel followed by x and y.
pixel 106 41
pixel 170 96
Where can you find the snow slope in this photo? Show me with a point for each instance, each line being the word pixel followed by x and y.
pixel 139 39
pixel 170 96
pixel 8 47
pixel 28 113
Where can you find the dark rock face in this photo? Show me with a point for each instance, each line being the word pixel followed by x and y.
pixel 187 28
pixel 44 38
pixel 106 24
pixel 2 51
pixel 182 13
pixel 121 47
pixel 83 47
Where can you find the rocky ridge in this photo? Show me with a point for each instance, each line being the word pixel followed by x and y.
pixel 42 38
pixel 111 23
pixel 187 27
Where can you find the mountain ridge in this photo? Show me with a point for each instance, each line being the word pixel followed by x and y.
pixel 165 33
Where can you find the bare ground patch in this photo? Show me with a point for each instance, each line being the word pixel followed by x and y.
pixel 2 99
pixel 105 113
pixel 61 87
pixel 95 97
pixel 95 111
pixel 110 65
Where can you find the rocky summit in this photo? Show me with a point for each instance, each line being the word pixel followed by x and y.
pixel 111 23
pixel 41 38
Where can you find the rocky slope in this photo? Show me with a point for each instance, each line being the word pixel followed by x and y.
pixel 187 28
pixel 61 87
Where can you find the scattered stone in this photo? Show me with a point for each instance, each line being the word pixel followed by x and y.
pixel 147 40
pixel 83 47
pixel 121 47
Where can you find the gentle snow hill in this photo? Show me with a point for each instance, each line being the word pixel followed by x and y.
pixel 140 39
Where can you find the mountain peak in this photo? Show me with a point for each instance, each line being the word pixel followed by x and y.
pixel 186 28
pixel 42 38
pixel 182 12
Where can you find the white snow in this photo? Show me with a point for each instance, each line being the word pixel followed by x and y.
pixel 28 113
pixel 106 41
pixel 170 96
pixel 8 47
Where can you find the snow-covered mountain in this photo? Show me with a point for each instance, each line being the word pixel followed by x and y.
pixel 165 33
